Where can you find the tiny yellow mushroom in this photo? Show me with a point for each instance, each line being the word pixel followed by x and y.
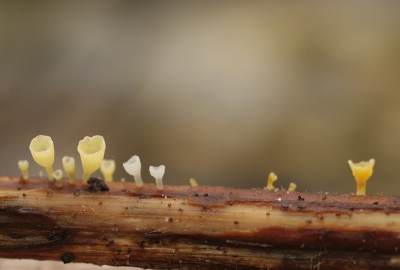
pixel 193 182
pixel 69 168
pixel 58 174
pixel 42 149
pixel 362 171
pixel 91 150
pixel 23 166
pixel 292 186
pixel 271 179
pixel 107 168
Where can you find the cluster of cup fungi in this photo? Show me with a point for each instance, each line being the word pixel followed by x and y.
pixel 91 150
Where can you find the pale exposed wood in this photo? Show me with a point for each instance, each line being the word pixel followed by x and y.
pixel 197 227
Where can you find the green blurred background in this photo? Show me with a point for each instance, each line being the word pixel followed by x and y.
pixel 222 91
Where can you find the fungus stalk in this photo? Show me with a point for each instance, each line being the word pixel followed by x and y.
pixel 158 173
pixel 91 150
pixel 23 165
pixel 133 167
pixel 271 179
pixel 69 168
pixel 58 174
pixel 42 150
pixel 362 171
pixel 107 168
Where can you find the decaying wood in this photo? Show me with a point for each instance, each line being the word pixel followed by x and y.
pixel 185 227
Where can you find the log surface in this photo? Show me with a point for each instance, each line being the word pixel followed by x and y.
pixel 185 227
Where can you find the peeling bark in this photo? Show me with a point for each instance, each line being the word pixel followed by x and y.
pixel 185 227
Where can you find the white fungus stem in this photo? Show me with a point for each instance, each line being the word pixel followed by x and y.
pixel 158 173
pixel 133 167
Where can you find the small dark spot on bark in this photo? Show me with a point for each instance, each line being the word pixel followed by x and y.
pixel 302 206
pixel 54 236
pixel 144 196
pixel 285 206
pixel 267 214
pixel 119 250
pixel 110 242
pixel 104 237
pixel 129 250
pixel 320 216
pixel 169 205
pixel 219 248
pixel 196 195
pixel 126 207
pixel 205 207
pixel 170 219
pixel 180 209
pixel 96 184
pixel 337 213
pixel 68 257
pixel 352 208
pixel 386 210
pixel 376 203
pixel 299 198
pixel 230 203
pixel 100 203
pixel 123 190
pixel 141 244
pixel 324 196
pixel 23 194
pixel 309 221
pixel 18 188
pixel 205 194
pixel 77 193
pixel 236 222
pixel 74 215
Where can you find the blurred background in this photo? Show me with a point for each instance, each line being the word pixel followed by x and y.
pixel 222 91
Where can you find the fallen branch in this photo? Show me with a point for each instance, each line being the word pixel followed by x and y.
pixel 197 227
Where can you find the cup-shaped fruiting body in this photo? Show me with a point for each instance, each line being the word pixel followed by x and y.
pixel 271 179
pixel 42 149
pixel 23 166
pixel 158 173
pixel 58 174
pixel 292 186
pixel 133 167
pixel 193 182
pixel 91 150
pixel 107 168
pixel 362 171
pixel 69 168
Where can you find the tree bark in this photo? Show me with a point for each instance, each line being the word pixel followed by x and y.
pixel 183 227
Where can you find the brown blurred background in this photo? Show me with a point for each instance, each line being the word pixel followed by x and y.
pixel 222 91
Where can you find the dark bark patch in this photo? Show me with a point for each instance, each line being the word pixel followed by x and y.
pixel 68 257
pixel 96 185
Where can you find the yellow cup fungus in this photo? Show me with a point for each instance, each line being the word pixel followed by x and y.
pixel 42 149
pixel 69 168
pixel 107 168
pixel 58 174
pixel 362 171
pixel 292 186
pixel 91 150
pixel 23 166
pixel 193 182
pixel 271 179
pixel 158 173
pixel 133 167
